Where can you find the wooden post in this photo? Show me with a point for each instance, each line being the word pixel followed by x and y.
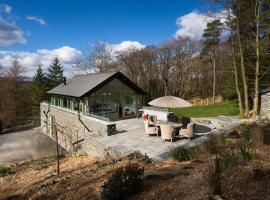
pixel 207 101
pixel 201 102
pixel 57 150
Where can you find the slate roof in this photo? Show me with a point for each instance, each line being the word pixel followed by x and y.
pixel 82 85
pixel 264 91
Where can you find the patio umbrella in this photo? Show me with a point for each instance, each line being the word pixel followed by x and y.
pixel 170 102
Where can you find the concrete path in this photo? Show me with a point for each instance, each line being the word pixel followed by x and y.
pixel 131 136
pixel 24 145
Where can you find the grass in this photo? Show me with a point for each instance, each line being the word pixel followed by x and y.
pixel 228 108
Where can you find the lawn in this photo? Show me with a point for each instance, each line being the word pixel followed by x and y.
pixel 228 108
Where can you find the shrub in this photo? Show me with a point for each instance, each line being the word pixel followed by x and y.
pixel 4 171
pixel 229 158
pixel 146 159
pixel 122 182
pixel 246 153
pixel 180 154
pixel 137 155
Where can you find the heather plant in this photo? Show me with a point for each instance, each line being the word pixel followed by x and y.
pixel 122 182
pixel 180 154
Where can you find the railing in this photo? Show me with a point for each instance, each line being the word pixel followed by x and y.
pixel 156 108
pixel 98 117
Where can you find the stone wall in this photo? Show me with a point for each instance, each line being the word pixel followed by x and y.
pixel 75 131
pixel 265 104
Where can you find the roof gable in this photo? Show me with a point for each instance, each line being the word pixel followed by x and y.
pixel 83 85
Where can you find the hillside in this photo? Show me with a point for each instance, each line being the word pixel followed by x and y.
pixel 82 177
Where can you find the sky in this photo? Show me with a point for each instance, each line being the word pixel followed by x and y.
pixel 35 31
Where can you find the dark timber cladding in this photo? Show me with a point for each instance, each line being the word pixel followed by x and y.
pixel 81 86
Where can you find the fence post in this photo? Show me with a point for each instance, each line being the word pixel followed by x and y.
pixel 201 102
pixel 57 149
pixel 207 101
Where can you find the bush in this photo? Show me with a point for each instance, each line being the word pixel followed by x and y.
pixel 246 153
pixel 122 182
pixel 137 155
pixel 4 171
pixel 229 158
pixel 180 154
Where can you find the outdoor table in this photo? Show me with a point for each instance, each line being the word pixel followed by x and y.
pixel 176 126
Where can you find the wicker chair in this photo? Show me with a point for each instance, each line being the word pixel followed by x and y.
pixel 167 132
pixel 187 132
pixel 150 129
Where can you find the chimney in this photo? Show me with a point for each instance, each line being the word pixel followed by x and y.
pixel 65 80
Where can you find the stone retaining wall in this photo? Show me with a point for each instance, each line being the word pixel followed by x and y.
pixel 72 128
pixel 265 104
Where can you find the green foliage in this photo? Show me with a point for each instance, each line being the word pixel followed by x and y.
pixel 55 73
pixel 246 153
pixel 122 182
pixel 4 171
pixel 146 159
pixel 180 154
pixel 211 35
pixel 227 109
pixel 229 158
pixel 38 90
pixel 137 155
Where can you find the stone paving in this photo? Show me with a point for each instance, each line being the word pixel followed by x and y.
pixel 131 136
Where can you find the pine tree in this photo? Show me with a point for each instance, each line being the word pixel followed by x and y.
pixel 211 40
pixel 38 90
pixel 55 73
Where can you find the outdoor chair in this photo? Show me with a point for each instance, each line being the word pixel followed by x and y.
pixel 167 132
pixel 150 129
pixel 185 121
pixel 187 132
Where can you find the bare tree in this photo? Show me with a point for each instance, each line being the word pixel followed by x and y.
pixel 95 58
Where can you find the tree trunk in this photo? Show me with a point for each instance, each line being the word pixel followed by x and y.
pixel 237 81
pixel 243 70
pixel 214 76
pixel 257 71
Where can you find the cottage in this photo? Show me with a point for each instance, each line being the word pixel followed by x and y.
pixel 111 96
pixel 265 102
pixel 89 104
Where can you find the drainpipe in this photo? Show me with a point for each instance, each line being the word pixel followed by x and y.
pixel 79 117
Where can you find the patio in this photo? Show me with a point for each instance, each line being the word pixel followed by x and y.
pixel 131 137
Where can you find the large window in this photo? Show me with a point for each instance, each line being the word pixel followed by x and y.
pixel 129 106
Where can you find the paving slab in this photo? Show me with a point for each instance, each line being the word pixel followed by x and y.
pixel 133 138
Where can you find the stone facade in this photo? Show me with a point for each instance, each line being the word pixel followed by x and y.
pixel 265 104
pixel 75 130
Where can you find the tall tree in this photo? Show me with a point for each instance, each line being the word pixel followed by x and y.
pixel 14 107
pixel 38 90
pixel 55 73
pixel 211 40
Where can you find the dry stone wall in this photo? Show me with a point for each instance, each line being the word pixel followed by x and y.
pixel 74 131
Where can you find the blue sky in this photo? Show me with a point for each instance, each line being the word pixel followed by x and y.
pixel 54 24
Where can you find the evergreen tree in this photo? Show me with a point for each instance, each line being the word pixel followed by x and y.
pixel 211 40
pixel 55 73
pixel 38 90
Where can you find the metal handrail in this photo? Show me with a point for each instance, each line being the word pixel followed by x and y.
pixel 98 117
pixel 156 108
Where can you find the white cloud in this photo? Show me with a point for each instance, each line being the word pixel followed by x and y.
pixel 10 33
pixel 6 8
pixel 124 46
pixel 29 60
pixel 193 24
pixel 36 19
